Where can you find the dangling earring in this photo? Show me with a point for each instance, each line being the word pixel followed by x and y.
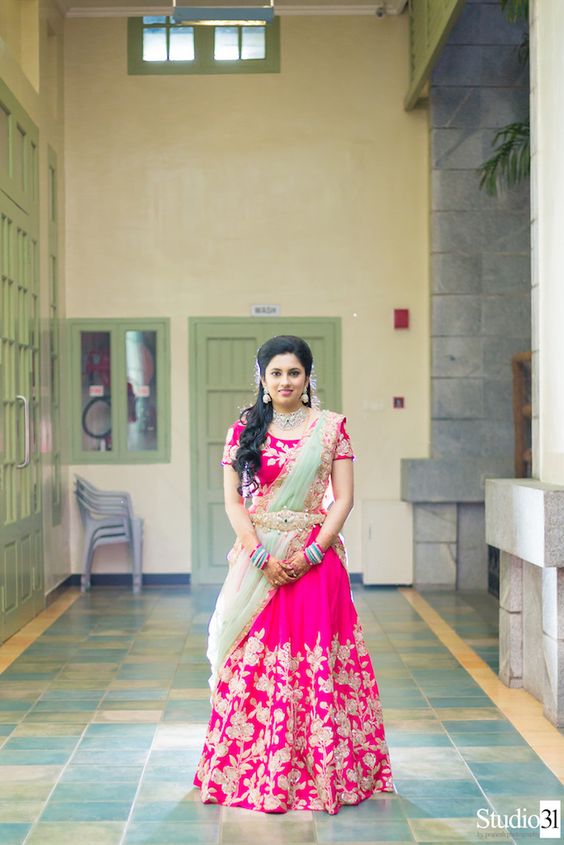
pixel 266 397
pixel 305 397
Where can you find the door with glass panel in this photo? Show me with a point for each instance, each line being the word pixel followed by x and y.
pixel 21 552
pixel 222 382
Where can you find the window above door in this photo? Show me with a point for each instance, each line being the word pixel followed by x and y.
pixel 159 45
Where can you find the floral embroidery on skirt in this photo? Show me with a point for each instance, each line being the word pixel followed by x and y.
pixel 297 725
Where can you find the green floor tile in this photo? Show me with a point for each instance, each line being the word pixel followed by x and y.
pixel 25 791
pixel 120 730
pixel 86 811
pixel 13 834
pixel 341 828
pixel 502 738
pixel 498 725
pixel 110 774
pixel 375 809
pixel 48 729
pixel 172 833
pixel 170 790
pixel 33 758
pixel 174 811
pixel 115 743
pixel 94 791
pixel 452 830
pixel 440 703
pixel 20 812
pixel 106 757
pixel 77 833
pixel 435 807
pixel 37 774
pixel 414 788
pixel 398 739
pixel 75 704
pixel 497 753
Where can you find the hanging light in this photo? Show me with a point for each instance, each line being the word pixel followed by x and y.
pixel 223 15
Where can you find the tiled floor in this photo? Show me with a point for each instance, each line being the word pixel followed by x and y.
pixel 474 616
pixel 102 719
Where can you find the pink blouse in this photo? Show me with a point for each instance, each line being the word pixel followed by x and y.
pixel 274 451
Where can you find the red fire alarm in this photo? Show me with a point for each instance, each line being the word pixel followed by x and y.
pixel 399 402
pixel 401 318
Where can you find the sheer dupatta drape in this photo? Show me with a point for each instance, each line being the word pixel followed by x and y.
pixel 246 591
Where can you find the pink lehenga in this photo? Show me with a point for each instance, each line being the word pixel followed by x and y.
pixel 296 720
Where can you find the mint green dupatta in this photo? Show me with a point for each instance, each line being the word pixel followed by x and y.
pixel 246 591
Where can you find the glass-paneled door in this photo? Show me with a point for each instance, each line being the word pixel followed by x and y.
pixel 21 553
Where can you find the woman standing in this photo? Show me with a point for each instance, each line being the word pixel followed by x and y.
pixel 296 718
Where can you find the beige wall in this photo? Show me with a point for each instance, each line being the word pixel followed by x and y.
pixel 201 195
pixel 547 210
pixel 31 65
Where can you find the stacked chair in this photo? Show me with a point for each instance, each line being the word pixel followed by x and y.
pixel 107 517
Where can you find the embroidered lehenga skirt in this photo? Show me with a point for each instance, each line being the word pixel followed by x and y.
pixel 296 720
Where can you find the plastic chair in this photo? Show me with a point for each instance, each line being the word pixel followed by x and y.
pixel 107 517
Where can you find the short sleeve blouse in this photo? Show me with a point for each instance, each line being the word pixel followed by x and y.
pixel 275 449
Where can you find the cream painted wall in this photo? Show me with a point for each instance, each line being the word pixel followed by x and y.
pixel 547 212
pixel 198 195
pixel 31 65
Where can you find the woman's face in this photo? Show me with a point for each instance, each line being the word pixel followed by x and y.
pixel 285 379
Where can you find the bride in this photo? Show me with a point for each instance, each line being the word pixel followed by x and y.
pixel 296 721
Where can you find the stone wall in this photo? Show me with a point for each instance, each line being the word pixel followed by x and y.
pixel 525 520
pixel 480 271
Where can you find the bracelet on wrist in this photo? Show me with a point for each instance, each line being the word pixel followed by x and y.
pixel 314 553
pixel 260 556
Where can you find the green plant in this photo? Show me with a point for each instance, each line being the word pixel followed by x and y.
pixel 511 162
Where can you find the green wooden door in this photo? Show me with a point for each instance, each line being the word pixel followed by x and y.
pixel 221 367
pixel 21 552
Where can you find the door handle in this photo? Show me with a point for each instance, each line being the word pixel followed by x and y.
pixel 26 426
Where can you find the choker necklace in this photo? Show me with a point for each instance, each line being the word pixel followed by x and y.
pixel 291 420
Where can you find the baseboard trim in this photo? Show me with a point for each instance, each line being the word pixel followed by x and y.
pixel 358 578
pixel 123 579
pixel 171 579
pixel 57 591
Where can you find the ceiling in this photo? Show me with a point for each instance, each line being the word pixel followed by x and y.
pixel 125 8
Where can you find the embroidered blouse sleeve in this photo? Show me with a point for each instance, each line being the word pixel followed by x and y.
pixel 343 448
pixel 231 444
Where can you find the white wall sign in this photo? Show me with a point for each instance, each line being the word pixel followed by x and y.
pixel 265 310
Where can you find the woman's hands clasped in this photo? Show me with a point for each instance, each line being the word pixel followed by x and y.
pixel 280 572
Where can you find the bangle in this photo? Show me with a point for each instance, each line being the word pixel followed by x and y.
pixel 314 553
pixel 260 557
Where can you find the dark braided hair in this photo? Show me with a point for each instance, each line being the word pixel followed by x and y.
pixel 259 416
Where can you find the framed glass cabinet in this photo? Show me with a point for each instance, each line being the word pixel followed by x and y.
pixel 120 394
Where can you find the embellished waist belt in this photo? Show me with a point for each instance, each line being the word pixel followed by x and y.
pixel 286 520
